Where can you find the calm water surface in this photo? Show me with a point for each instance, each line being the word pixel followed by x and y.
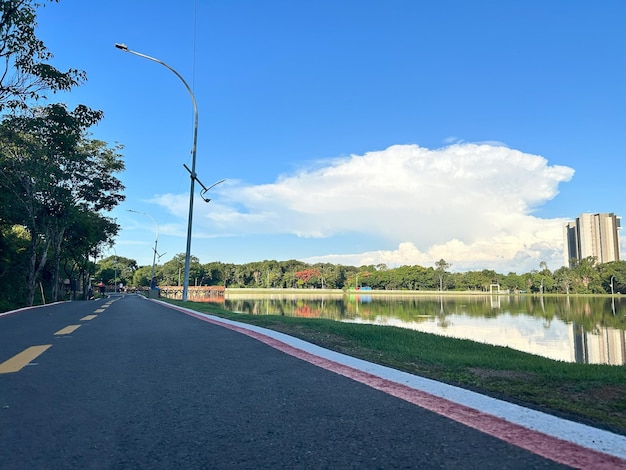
pixel 574 329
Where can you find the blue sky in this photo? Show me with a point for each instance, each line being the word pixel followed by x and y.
pixel 356 132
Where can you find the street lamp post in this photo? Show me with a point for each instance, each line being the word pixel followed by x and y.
pixel 156 239
pixel 192 172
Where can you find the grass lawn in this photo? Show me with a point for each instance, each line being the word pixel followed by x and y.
pixel 588 393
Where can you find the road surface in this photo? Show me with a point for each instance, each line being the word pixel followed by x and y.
pixel 126 382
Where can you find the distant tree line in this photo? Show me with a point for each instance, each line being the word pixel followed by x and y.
pixel 586 277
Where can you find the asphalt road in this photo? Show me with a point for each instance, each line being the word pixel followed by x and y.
pixel 139 385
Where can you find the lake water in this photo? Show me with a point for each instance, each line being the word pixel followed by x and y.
pixel 588 330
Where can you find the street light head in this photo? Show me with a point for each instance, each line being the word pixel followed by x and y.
pixel 123 47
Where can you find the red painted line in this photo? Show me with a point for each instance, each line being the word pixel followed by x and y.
pixel 550 447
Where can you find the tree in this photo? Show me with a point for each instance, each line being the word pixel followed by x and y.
pixel 214 274
pixel 116 269
pixel 564 278
pixel 442 266
pixel 27 75
pixel 141 276
pixel 307 276
pixel 14 241
pixel 55 173
pixel 586 276
pixel 173 270
pixel 512 282
pixel 87 232
pixel 613 276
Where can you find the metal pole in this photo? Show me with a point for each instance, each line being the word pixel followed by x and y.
pixel 192 175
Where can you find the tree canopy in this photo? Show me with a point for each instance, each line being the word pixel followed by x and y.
pixel 26 74
pixel 298 274
pixel 55 174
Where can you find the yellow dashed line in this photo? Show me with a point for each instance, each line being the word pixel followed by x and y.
pixel 67 330
pixel 22 359
pixel 89 317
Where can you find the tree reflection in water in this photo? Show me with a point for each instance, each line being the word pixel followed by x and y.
pixel 584 329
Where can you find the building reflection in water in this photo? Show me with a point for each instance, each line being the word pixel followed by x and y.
pixel 607 346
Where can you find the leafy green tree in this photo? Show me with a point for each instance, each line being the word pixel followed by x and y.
pixel 214 274
pixel 613 276
pixel 564 278
pixel 55 172
pixel 543 280
pixel 326 271
pixel 141 276
pixel 14 242
pixel 84 236
pixel 116 269
pixel 173 271
pixel 289 279
pixel 337 277
pixel 513 282
pixel 441 267
pixel 586 275
pixel 27 74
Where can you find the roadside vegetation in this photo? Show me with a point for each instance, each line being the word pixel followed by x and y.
pixel 588 393
pixel 56 182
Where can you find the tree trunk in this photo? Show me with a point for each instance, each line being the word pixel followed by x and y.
pixel 58 240
pixel 34 271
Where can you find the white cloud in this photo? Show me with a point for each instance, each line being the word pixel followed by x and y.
pixel 470 204
pixel 521 254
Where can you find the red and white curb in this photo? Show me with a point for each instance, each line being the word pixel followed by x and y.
pixel 567 442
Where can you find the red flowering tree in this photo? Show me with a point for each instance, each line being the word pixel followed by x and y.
pixel 307 277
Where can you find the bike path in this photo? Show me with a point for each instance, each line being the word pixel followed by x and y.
pixel 559 439
pixel 143 385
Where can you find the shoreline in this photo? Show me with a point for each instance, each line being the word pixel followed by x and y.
pixel 277 290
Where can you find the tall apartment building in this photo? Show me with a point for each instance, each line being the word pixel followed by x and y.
pixel 592 235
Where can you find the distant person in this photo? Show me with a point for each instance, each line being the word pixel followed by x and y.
pixel 102 288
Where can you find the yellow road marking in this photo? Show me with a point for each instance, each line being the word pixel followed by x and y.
pixel 89 317
pixel 100 310
pixel 22 359
pixel 67 330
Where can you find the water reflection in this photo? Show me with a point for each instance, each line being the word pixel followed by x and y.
pixel 573 329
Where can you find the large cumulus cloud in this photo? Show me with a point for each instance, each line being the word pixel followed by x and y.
pixel 470 204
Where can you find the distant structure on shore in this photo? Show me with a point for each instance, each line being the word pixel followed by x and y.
pixel 592 235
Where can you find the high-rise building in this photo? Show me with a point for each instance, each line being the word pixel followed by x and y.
pixel 592 235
